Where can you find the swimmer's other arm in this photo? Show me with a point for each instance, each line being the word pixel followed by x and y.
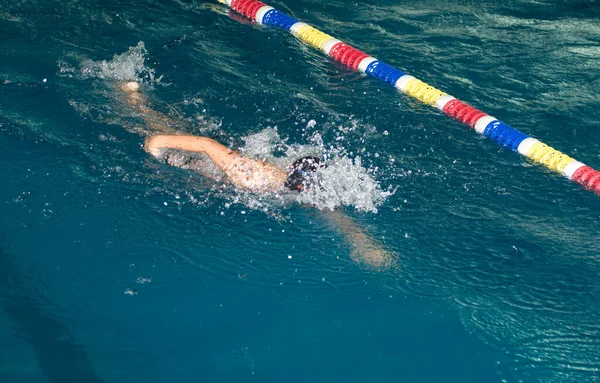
pixel 364 248
pixel 218 153
pixel 188 143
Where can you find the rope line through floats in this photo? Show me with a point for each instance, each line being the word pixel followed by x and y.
pixel 500 132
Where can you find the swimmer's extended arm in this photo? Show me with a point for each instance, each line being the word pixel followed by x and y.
pixel 364 248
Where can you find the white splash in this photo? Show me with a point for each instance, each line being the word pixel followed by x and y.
pixel 127 66
pixel 343 182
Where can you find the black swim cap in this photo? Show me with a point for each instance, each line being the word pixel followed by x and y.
pixel 302 173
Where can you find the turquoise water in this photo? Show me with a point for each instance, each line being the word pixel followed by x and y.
pixel 115 267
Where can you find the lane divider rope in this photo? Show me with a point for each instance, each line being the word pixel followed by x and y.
pixel 482 123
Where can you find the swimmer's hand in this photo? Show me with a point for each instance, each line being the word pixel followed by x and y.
pixel 131 87
pixel 152 148
pixel 132 91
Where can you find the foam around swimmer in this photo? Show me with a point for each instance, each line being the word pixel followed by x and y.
pixel 344 181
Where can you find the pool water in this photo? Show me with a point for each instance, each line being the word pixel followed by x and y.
pixel 117 267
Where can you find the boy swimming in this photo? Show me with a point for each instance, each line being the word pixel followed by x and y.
pixel 250 174
pixel 256 176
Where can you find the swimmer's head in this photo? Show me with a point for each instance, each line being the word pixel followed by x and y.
pixel 302 173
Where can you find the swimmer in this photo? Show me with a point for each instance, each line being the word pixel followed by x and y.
pixel 251 174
